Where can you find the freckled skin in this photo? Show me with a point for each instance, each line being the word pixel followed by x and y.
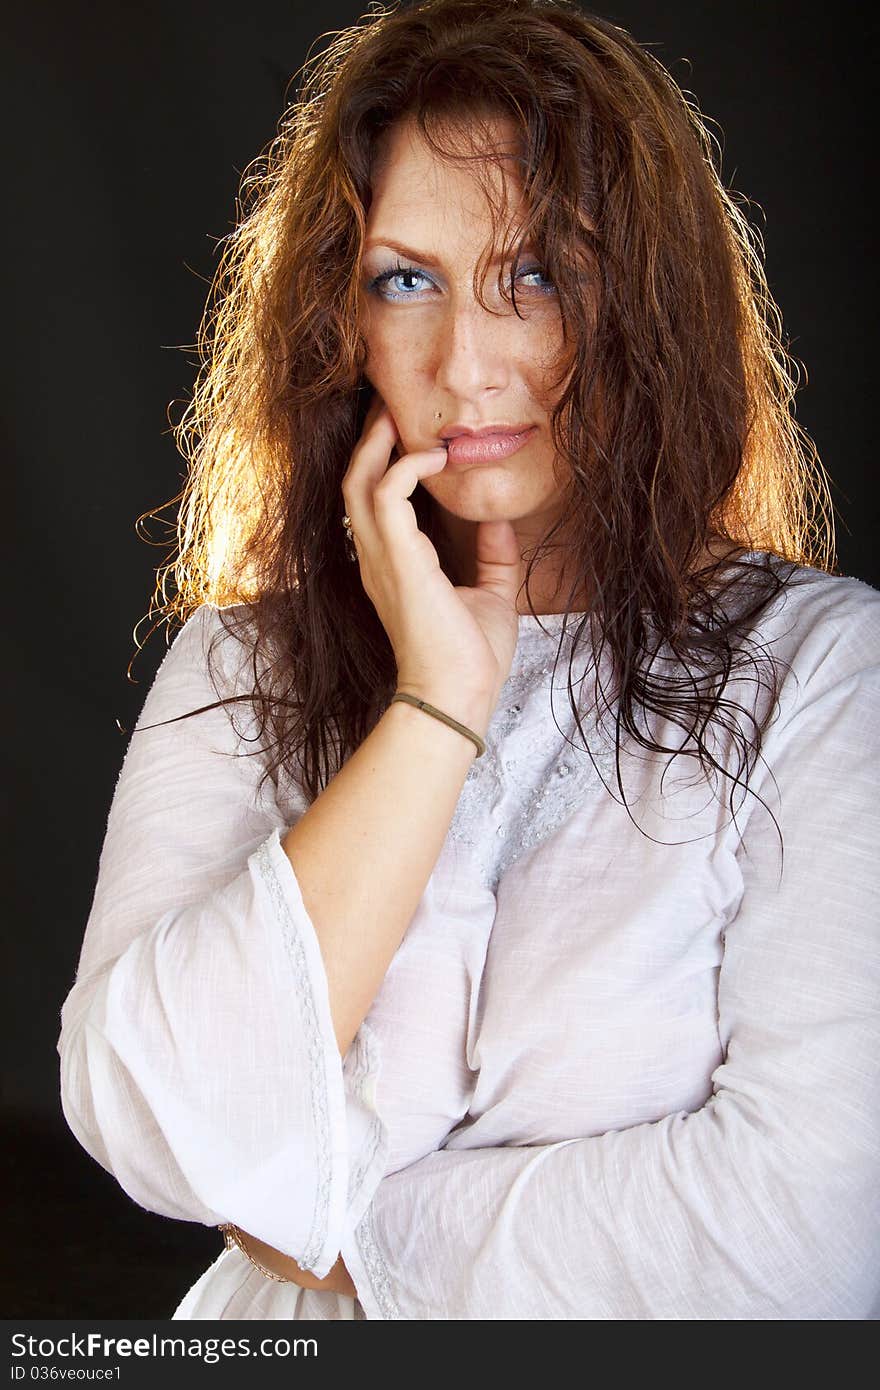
pixel 433 348
pixel 443 351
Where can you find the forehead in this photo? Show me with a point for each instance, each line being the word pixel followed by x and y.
pixel 415 189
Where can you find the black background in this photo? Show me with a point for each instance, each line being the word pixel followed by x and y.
pixel 127 132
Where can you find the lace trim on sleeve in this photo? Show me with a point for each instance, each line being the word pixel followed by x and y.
pixel 375 1267
pixel 293 942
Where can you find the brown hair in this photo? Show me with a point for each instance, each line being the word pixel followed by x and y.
pixel 676 429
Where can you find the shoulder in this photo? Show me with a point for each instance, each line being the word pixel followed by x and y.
pixel 207 658
pixel 227 635
pixel 208 619
pixel 825 630
pixel 821 617
pixel 816 595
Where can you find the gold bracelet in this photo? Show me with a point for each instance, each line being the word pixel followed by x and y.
pixel 232 1237
pixel 446 718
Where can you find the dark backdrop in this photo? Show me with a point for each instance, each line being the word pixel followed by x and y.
pixel 127 131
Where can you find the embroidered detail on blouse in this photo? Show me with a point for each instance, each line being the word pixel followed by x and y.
pixel 361 1079
pixel 377 1273
pixel 293 942
pixel 532 778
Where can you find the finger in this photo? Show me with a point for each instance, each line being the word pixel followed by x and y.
pixel 368 464
pixel 373 449
pixel 375 405
pixel 394 515
pixel 498 559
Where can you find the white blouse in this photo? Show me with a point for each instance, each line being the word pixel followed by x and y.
pixel 614 1070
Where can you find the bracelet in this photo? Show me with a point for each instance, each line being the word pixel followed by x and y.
pixel 232 1237
pixel 446 718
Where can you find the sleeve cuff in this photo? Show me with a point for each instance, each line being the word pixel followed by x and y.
pixel 351 1142
pixel 366 1265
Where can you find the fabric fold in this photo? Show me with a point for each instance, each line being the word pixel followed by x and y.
pixel 198 1059
pixel 764 1202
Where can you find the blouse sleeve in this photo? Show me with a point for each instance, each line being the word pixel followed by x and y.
pixel 764 1203
pixel 198 1060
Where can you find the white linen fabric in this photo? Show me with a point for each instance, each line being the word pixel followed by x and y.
pixel 615 1070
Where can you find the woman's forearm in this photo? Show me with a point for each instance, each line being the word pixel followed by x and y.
pixel 364 850
pixel 337 1281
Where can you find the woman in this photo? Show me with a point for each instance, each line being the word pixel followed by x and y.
pixel 492 454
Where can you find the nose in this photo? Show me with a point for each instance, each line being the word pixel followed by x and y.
pixel 472 351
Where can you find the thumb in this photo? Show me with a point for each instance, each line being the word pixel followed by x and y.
pixel 499 564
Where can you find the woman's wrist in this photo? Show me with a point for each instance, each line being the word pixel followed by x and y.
pixel 471 708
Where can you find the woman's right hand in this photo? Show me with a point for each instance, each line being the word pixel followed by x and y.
pixel 449 641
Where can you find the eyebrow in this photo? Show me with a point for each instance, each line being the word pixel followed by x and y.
pixel 421 256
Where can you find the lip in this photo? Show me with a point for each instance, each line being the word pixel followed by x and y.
pixel 500 427
pixel 486 445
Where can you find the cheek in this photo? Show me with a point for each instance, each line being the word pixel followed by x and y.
pixel 396 355
pixel 545 365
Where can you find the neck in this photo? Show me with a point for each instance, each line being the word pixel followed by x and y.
pixel 548 584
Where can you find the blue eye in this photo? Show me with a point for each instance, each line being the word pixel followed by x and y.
pixel 547 288
pixel 400 272
pixel 386 276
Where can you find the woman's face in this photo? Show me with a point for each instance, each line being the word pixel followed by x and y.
pixel 433 351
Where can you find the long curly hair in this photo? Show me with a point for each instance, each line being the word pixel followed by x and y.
pixel 676 425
